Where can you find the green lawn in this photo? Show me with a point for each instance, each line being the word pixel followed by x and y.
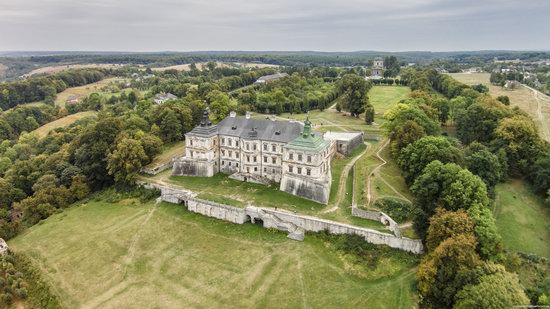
pixel 130 254
pixel 239 193
pixel 385 97
pixel 522 219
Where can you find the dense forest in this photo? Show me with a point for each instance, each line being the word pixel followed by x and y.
pixel 453 181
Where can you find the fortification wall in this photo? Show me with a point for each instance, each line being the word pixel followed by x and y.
pixel 187 167
pixel 377 216
pixel 282 220
pixel 157 169
pixel 314 224
pixel 219 211
pixel 306 188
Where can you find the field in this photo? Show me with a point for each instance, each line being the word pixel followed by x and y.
pixel 59 68
pixel 62 122
pixel 381 97
pixel 522 219
pixel 536 104
pixel 83 91
pixel 129 254
pixel 201 66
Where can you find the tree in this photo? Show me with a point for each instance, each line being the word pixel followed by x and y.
pixel 489 241
pixel 519 138
pixel 446 270
pixel 496 289
pixel 126 160
pixel 354 93
pixel 220 105
pixel 480 161
pixel 540 173
pixel 170 127
pixel 504 99
pixel 392 67
pixel 416 156
pixel 369 114
pixel 442 106
pixel 408 133
pixel 479 121
pixel 447 186
pixel 446 224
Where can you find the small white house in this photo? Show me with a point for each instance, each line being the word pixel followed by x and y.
pixel 161 98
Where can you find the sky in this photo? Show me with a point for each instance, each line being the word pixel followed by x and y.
pixel 290 25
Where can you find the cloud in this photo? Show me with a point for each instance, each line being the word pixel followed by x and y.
pixel 273 25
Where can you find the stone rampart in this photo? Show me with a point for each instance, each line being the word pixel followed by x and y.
pixel 293 223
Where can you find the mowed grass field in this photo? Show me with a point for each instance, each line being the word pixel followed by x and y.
pixel 130 254
pixel 62 122
pixel 522 218
pixel 83 91
pixel 536 104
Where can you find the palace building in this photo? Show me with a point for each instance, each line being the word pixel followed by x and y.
pixel 261 151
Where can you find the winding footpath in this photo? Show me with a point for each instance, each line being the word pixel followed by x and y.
pixel 343 179
pixel 369 177
pixel 544 128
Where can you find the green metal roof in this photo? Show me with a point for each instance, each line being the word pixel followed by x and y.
pixel 308 141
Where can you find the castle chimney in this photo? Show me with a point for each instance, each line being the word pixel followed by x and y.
pixel 247 115
pixel 232 114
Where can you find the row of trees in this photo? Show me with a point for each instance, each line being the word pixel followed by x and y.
pixel 453 187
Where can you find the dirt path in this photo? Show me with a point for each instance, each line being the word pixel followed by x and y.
pixel 343 179
pixel 369 177
pixel 540 115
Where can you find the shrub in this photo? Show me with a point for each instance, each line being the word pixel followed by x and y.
pixel 398 210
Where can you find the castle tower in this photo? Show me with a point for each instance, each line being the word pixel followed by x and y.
pixel 306 166
pixel 377 67
pixel 201 151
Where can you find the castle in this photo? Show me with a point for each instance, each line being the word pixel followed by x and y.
pixel 261 151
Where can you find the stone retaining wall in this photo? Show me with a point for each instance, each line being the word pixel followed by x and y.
pixel 377 216
pixel 157 168
pixel 282 220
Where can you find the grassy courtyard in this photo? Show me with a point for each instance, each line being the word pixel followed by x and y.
pixel 522 218
pixel 164 256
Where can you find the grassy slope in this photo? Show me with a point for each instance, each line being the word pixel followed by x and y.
pixel 176 149
pixel 62 122
pixel 128 254
pixel 522 219
pixel 521 97
pixel 83 91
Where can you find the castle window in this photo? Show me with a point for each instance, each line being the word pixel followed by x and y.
pixel 300 157
pixel 265 159
pixel 300 170
pixel 265 147
pixel 255 159
pixel 223 163
pixel 291 156
pixel 191 142
pixel 265 170
pixel 308 171
pixel 230 153
pixel 247 146
pixel 254 146
pixel 247 158
pixel 290 168
pixel 309 159
pixel 273 147
pixel 223 152
pixel 229 142
pixel 236 154
pixel 237 164
pixel 229 163
pixel 191 153
pixel 255 169
pixel 223 141
pixel 273 160
pixel 273 171
pixel 236 143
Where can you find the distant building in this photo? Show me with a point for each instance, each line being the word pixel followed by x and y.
pixel 161 98
pixel 511 84
pixel 3 247
pixel 72 100
pixel 377 70
pixel 270 78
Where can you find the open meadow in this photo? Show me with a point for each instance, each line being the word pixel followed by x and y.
pixel 522 218
pixel 62 122
pixel 83 91
pixel 60 68
pixel 202 65
pixel 535 103
pixel 127 254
